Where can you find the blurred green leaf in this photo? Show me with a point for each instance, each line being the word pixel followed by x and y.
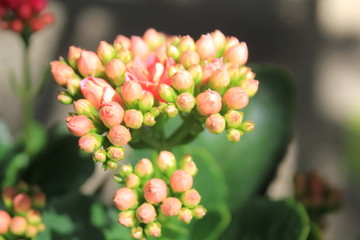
pixel 98 215
pixel 263 219
pixel 114 230
pixel 37 141
pixel 315 233
pixel 59 168
pixel 18 163
pixel 6 140
pixel 249 165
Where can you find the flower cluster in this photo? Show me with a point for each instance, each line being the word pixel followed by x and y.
pixel 126 87
pixel 157 192
pixel 24 16
pixel 22 218
pixel 317 196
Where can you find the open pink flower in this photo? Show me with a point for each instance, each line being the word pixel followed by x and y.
pixel 150 73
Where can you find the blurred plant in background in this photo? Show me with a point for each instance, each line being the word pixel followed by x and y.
pixel 155 92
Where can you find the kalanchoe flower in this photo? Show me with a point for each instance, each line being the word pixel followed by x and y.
pixel 171 207
pixel 132 87
pixel 181 181
pixel 125 198
pixel 155 191
pixel 146 213
pixel 22 202
pixel 5 221
pixel 18 225
pixel 79 125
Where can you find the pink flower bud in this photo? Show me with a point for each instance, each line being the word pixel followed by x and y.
pixel 233 135
pixel 74 55
pixel 153 38
pixel 137 232
pixel 187 44
pixel 111 114
pixel 133 118
pixel 105 52
pixel 123 40
pixel 22 186
pixel 115 71
pixel 166 161
pixel 167 93
pixel 124 55
pixel 100 155
pixel 219 80
pixel 185 102
pixel 171 207
pixel 131 91
pixel 127 218
pixel 172 52
pixel 210 68
pixel 24 11
pixel 119 135
pixel 115 153
pixel 196 72
pixel 155 191
pixel 125 170
pixel 64 98
pixel 144 168
pixel 208 102
pixel 18 225
pixel 132 181
pixel 236 98
pixel 39 200
pixel 231 42
pixel 125 198
pixel 33 217
pixel 247 126
pixel 61 72
pixel 139 47
pixel 73 86
pixel 215 123
pixel 146 101
pixel 182 81
pixel 31 231
pixel 199 212
pixel 181 181
pixel 250 86
pixel 90 142
pixel 146 213
pixel 89 64
pixel 17 25
pixel 237 54
pixel 188 165
pixel 219 39
pixel 149 119
pixel 191 198
pixel 97 91
pixel 153 229
pixel 79 125
pixel 206 47
pixel 22 203
pixel 233 118
pixel 5 221
pixel 189 58
pixel 84 107
pixel 185 215
pixel 8 194
pixel 171 111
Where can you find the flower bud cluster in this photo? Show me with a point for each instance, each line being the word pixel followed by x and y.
pixel 125 87
pixel 22 219
pixel 317 196
pixel 154 192
pixel 24 16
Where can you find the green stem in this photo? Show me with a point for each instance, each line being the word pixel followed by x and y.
pixel 182 132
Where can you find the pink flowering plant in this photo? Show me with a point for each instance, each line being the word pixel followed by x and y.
pixel 172 119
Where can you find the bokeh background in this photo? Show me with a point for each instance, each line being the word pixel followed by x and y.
pixel 318 40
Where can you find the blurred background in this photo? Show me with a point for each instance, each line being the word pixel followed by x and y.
pixel 317 40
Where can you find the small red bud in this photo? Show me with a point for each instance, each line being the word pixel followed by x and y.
pixel 61 72
pixel 18 225
pixel 144 168
pixel 90 142
pixel 146 213
pixel 39 200
pixel 199 212
pixel 208 102
pixel 191 198
pixel 237 54
pixel 127 218
pixel 79 125
pixel 233 135
pixel 155 191
pixel 185 215
pixel 125 198
pixel 236 98
pixel 206 47
pixel 5 221
pixel 181 181
pixel 22 203
pixel 115 71
pixel 131 91
pixel 133 118
pixel 153 229
pixel 119 135
pixel 111 114
pixel 215 123
pixel 89 64
pixel 17 25
pixel 115 153
pixel 170 207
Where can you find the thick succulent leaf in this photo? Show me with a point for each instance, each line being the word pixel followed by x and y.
pixel 249 165
pixel 263 219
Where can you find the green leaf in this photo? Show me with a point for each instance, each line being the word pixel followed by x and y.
pixel 6 140
pixel 59 168
pixel 315 233
pixel 98 215
pixel 249 165
pixel 37 141
pixel 263 219
pixel 17 164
